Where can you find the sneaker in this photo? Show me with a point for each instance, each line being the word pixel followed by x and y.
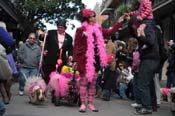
pixel 92 107
pixel 144 111
pixel 82 108
pixel 173 109
pixel 136 105
pixel 21 93
pixel 158 105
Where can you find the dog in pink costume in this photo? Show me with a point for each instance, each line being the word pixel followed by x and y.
pixel 36 89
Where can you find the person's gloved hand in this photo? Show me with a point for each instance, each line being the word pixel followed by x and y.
pixel 59 62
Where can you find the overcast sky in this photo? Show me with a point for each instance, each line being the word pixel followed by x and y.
pixel 89 4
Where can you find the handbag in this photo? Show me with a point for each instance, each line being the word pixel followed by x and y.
pixel 12 63
pixel 5 71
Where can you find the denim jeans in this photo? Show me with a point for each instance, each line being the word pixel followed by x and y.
pixel 98 82
pixel 122 90
pixel 107 94
pixel 171 79
pixel 2 108
pixel 136 89
pixel 27 72
pixel 147 70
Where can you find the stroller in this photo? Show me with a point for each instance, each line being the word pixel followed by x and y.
pixel 65 86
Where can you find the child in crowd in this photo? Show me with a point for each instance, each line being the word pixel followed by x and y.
pixel 144 15
pixel 124 78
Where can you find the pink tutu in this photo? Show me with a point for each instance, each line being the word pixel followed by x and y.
pixel 59 82
pixel 34 83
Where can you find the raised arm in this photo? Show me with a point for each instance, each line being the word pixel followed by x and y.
pixel 132 13
pixel 148 9
pixel 115 27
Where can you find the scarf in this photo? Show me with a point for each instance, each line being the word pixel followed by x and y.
pixel 90 30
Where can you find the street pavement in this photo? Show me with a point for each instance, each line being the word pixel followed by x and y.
pixel 19 106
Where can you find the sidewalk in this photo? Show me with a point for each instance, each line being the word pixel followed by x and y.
pixel 19 106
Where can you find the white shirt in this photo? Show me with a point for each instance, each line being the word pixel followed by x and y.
pixel 60 40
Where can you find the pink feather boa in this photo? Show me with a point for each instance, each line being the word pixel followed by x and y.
pixel 90 29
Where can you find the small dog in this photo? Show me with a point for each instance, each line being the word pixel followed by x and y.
pixel 36 89
pixel 168 94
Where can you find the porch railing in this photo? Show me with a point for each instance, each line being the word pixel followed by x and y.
pixel 156 3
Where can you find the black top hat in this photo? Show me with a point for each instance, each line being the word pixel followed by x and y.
pixel 61 22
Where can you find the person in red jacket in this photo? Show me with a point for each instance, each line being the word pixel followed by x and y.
pixel 144 15
pixel 90 55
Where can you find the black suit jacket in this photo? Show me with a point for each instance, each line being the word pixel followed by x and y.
pixel 52 47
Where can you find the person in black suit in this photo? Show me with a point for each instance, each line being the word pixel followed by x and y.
pixel 55 41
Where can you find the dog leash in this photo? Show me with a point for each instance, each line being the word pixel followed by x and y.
pixel 41 58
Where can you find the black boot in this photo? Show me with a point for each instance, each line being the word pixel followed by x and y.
pixel 53 96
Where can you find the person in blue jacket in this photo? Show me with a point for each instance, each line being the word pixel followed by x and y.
pixel 7 41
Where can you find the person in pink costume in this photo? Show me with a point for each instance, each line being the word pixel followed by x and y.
pixel 89 55
pixel 144 14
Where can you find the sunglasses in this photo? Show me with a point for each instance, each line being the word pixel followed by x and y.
pixel 31 38
pixel 61 27
pixel 93 15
